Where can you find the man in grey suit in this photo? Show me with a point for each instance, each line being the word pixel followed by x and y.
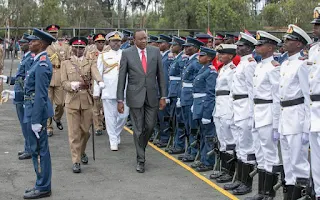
pixel 141 66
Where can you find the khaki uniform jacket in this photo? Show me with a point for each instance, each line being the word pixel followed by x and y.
pixel 80 99
pixel 57 53
pixel 94 53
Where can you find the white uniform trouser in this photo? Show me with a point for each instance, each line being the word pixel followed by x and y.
pixel 315 160
pixel 266 148
pixel 244 132
pixel 114 120
pixel 294 158
pixel 223 129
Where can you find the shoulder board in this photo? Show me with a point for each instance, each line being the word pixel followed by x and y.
pixel 275 63
pixel 310 63
pixel 250 59
pixel 43 58
pixel 232 66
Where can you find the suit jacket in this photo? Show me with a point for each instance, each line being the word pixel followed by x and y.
pixel 141 86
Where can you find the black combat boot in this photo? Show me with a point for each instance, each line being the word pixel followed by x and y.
pixel 271 180
pixel 261 186
pixel 287 192
pixel 246 179
pixel 237 182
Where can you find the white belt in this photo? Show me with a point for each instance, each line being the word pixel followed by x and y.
pixel 175 78
pixel 198 95
pixel 187 84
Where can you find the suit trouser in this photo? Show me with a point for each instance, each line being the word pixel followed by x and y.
pixel 97 115
pixel 40 147
pixel 56 95
pixel 294 158
pixel 224 133
pixel 143 121
pixel 79 122
pixel 20 113
pixel 245 140
pixel 114 120
pixel 189 124
pixel 266 149
pixel 207 134
pixel 315 160
pixel 176 114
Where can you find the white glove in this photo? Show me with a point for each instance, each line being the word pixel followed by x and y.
pixel 75 85
pixel 205 121
pixel 167 101
pixel 4 78
pixel 191 108
pixel 276 135
pixel 178 104
pixel 102 85
pixel 36 128
pixel 305 138
pixel 11 94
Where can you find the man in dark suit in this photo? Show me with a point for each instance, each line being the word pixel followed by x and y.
pixel 141 66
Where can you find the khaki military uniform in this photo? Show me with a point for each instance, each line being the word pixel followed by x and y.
pixel 97 105
pixel 57 53
pixel 78 103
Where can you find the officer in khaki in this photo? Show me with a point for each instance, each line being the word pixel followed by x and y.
pixel 57 53
pixel 98 48
pixel 76 78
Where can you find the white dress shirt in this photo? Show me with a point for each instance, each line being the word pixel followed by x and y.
pixel 140 54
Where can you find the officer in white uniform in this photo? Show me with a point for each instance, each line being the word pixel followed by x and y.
pixel 314 83
pixel 294 119
pixel 266 113
pixel 108 64
pixel 243 111
pixel 223 113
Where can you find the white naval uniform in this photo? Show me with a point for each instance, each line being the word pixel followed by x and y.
pixel 243 108
pixel 294 120
pixel 113 119
pixel 314 84
pixel 223 114
pixel 266 116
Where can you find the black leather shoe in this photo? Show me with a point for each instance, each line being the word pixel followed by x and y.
pixel 232 186
pixel 50 133
pixel 224 179
pixel 76 168
pixel 180 157
pixel 204 168
pixel 161 144
pixel 217 174
pixel 20 153
pixel 99 132
pixel 195 164
pixel 84 159
pixel 36 194
pixel 140 167
pixel 58 124
pixel 25 156
pixel 188 158
pixel 175 151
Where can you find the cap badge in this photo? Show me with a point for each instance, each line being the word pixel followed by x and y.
pixel 290 30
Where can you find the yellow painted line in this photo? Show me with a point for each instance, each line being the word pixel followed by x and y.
pixel 195 173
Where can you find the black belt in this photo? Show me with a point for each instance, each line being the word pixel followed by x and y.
pixel 315 97
pixel 292 102
pixel 222 92
pixel 262 101
pixel 240 96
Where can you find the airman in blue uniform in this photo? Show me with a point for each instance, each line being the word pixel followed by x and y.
pixel 173 94
pixel 152 40
pixel 18 92
pixel 189 73
pixel 203 104
pixel 38 109
pixel 163 115
pixel 127 35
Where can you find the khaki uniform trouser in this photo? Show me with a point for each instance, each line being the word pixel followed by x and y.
pixel 57 96
pixel 97 114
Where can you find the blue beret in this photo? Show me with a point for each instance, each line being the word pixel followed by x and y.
pixel 193 42
pixel 177 41
pixel 43 36
pixel 205 51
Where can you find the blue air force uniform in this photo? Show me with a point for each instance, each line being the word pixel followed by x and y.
pixel 37 111
pixel 203 104
pixel 188 75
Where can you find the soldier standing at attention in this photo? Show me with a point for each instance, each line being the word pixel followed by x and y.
pixel 57 53
pixel 37 111
pixel 100 47
pixel 76 76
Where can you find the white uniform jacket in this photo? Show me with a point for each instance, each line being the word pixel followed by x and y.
pixel 242 85
pixel 266 87
pixel 223 107
pixel 293 84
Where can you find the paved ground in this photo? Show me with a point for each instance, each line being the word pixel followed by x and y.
pixel 111 176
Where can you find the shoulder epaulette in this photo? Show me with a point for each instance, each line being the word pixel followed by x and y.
pixel 250 59
pixel 275 63
pixel 43 58
pixel 232 66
